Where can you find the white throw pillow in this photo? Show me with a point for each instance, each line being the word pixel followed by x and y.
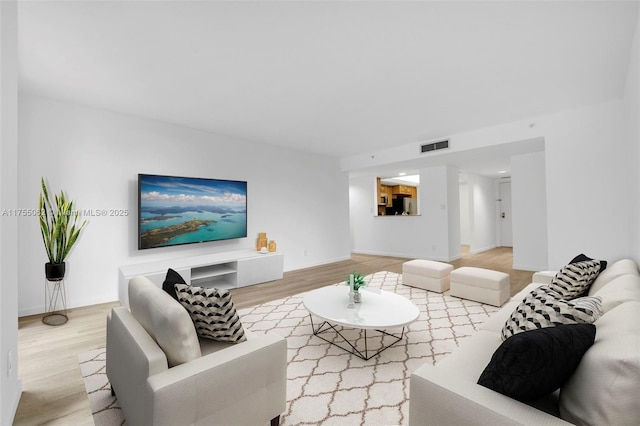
pixel 166 321
pixel 604 388
pixel 613 271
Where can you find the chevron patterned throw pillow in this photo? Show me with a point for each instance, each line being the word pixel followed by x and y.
pixel 544 307
pixel 575 279
pixel 212 312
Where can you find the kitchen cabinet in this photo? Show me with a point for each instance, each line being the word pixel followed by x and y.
pixel 401 190
pixel 381 197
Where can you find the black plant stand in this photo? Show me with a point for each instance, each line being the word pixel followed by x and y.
pixel 55 300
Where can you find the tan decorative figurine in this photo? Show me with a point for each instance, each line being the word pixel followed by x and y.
pixel 262 241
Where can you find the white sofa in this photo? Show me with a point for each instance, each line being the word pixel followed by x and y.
pixel 163 374
pixel 604 389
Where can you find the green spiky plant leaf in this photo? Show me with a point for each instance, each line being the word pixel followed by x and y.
pixel 60 224
pixel 358 280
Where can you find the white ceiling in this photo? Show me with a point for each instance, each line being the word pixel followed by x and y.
pixel 335 78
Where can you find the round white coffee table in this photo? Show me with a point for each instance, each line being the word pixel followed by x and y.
pixel 379 310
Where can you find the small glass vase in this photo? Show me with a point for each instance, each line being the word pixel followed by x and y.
pixel 357 297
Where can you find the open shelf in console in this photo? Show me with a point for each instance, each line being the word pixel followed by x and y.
pixel 222 276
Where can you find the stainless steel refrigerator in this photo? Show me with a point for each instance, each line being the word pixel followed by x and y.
pixel 404 205
pixel 410 205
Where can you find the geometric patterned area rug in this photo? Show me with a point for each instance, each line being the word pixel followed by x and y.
pixel 105 408
pixel 326 384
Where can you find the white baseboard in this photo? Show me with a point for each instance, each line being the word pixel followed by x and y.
pixel 13 407
pixel 405 255
pixel 529 267
pixel 36 310
pixel 480 250
pixel 323 262
pixel 30 311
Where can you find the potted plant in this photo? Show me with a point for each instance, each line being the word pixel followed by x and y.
pixel 60 228
pixel 358 281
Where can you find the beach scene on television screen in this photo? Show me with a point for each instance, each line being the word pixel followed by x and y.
pixel 178 210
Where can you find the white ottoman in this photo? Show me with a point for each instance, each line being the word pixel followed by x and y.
pixel 426 274
pixel 481 285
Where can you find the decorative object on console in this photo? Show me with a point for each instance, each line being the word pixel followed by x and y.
pixel 213 313
pixel 170 281
pixel 272 246
pixel 263 242
pixel 534 363
pixel 543 307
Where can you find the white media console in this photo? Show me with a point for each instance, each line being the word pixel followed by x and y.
pixel 225 270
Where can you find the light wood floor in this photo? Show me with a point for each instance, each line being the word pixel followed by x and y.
pixel 53 391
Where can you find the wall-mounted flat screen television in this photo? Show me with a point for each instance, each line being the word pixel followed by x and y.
pixel 176 210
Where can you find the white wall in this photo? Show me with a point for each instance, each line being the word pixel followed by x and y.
pixel 465 214
pixel 300 200
pixel 421 236
pixel 587 185
pixel 453 211
pixel 631 100
pixel 529 212
pixel 10 386
pixel 483 213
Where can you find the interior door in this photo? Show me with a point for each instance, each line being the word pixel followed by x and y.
pixel 506 225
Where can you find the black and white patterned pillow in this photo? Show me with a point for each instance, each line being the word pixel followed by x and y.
pixel 543 307
pixel 575 279
pixel 212 312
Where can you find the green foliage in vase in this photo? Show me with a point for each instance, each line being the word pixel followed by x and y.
pixel 59 224
pixel 358 280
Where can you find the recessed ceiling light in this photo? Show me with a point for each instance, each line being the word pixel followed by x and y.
pixel 502 172
pixel 402 174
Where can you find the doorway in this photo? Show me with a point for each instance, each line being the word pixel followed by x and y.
pixel 504 212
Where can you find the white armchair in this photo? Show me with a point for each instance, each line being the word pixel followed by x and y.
pixel 163 374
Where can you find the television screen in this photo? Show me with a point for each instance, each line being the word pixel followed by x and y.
pixel 182 210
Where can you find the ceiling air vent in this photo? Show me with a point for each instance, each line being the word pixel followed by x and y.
pixel 434 146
